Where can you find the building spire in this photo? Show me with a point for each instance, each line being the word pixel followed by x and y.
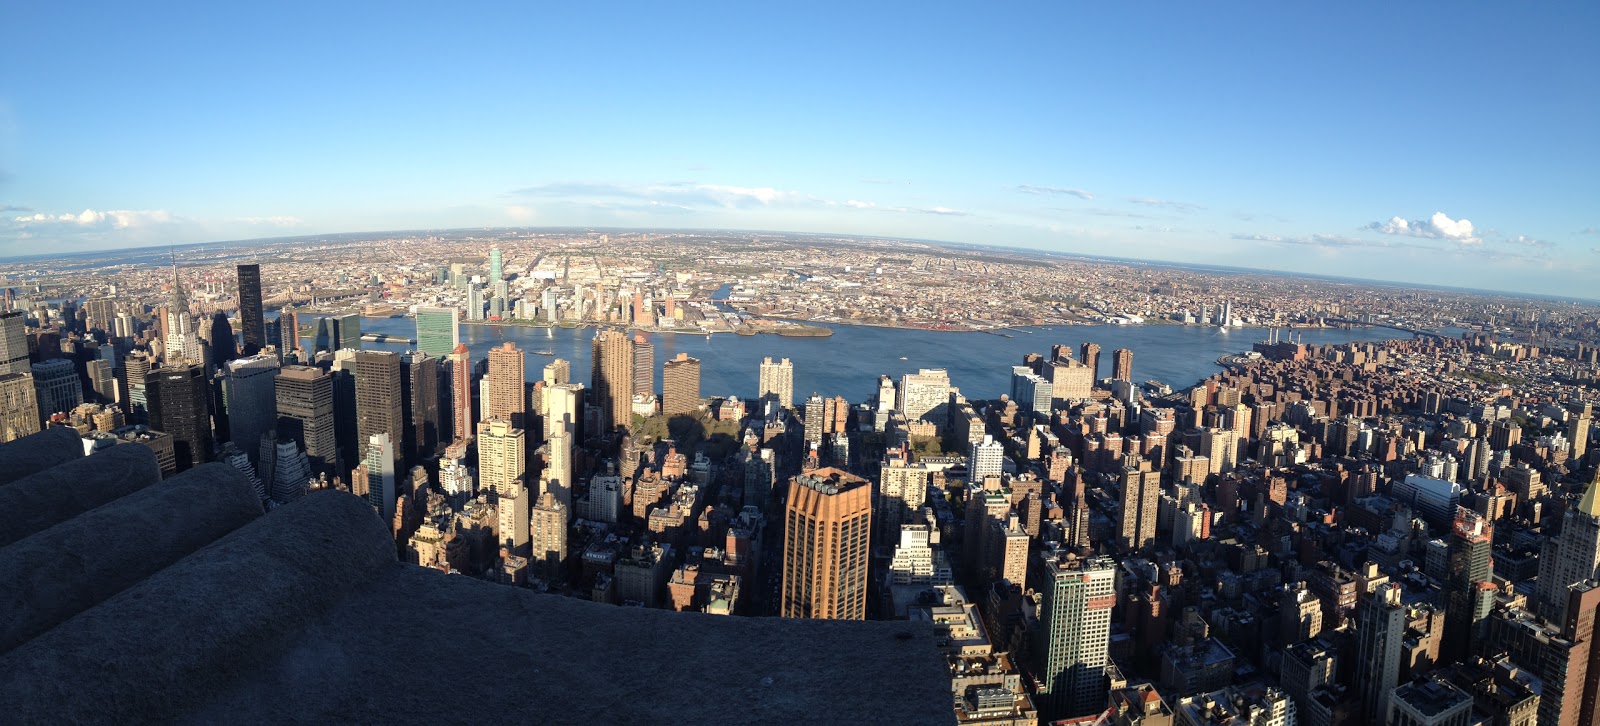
pixel 1590 503
pixel 179 303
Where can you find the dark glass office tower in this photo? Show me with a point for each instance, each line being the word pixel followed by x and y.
pixel 179 403
pixel 419 381
pixel 378 398
pixel 250 315
pixel 306 415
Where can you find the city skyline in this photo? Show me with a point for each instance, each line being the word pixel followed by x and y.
pixel 1081 548
pixel 1184 367
pixel 1188 138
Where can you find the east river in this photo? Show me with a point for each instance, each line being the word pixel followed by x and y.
pixel 849 362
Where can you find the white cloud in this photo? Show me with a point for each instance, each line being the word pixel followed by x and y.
pixel 943 211
pixel 686 194
pixel 1031 189
pixel 1527 241
pixel 1315 240
pixel 109 219
pixel 520 212
pixel 1167 204
pixel 275 221
pixel 731 196
pixel 1439 226
pixel 694 197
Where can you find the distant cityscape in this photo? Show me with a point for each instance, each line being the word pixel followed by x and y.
pixel 1400 526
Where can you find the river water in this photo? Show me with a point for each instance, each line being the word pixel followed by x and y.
pixel 849 362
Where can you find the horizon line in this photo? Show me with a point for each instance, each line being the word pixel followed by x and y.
pixel 1103 259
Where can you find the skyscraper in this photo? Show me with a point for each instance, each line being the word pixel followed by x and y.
pixel 562 415
pixel 19 406
pixel 506 383
pixel 216 340
pixel 826 546
pixel 777 383
pixel 557 372
pixel 925 396
pixel 345 408
pixel 337 332
pixel 180 406
pixel 902 490
pixel 814 419
pixel 475 302
pixel 547 533
pixel 511 506
pixel 288 331
pixel 1141 491
pixel 102 382
pixel 644 367
pixel 378 461
pixel 135 369
pixel 461 392
pixel 986 458
pixel 1582 420
pixel 250 395
pixel 251 317
pixel 1089 356
pixel 305 415
pixel 100 312
pixel 1031 391
pixel 378 400
pixel 1074 634
pixel 1382 632
pixel 349 330
pixel 502 455
pixel 612 375
pixel 1468 584
pixel 1571 556
pixel 419 382
pixel 57 386
pixel 1561 655
pixel 182 341
pixel 14 342
pixel 1070 380
pixel 438 330
pixel 285 470
pixel 1122 365
pixel 497 270
pixel 680 385
pixel 326 336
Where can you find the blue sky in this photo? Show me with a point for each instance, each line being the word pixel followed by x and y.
pixel 1435 143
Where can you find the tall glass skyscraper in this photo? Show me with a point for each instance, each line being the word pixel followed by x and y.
pixel 438 330
pixel 250 315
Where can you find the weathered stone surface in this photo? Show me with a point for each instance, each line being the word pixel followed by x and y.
pixel 34 453
pixel 208 624
pixel 418 646
pixel 66 569
pixel 52 496
pixel 305 616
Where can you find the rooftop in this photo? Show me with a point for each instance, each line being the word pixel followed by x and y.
pixel 115 612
